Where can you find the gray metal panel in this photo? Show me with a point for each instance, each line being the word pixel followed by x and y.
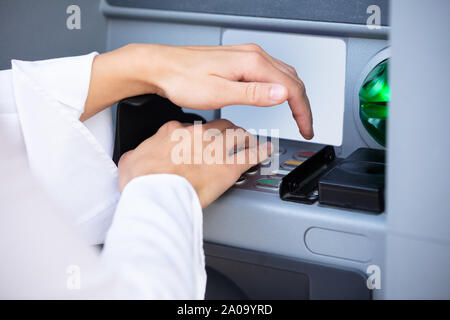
pixel 418 251
pixel 242 22
pixel 269 276
pixel 416 268
pixel 344 11
pixel 262 222
pixel 35 30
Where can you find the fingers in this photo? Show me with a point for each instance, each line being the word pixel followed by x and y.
pixel 267 94
pixel 234 141
pixel 298 100
pixel 237 139
pixel 247 75
pixel 251 93
pixel 252 47
pixel 221 124
pixel 260 70
pixel 301 111
pixel 252 156
pixel 258 80
pixel 276 62
pixel 232 137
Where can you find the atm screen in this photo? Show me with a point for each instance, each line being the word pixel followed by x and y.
pixel 320 62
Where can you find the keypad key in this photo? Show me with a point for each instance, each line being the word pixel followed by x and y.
pixel 253 170
pixel 303 155
pixel 268 183
pixel 291 164
pixel 278 151
pixel 241 179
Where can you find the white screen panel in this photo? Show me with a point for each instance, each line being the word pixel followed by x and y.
pixel 320 63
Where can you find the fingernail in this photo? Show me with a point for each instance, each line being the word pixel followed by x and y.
pixel 277 92
pixel 308 136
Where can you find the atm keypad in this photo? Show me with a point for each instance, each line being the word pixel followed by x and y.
pixel 290 155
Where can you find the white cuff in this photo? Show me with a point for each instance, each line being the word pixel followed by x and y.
pixel 156 239
pixel 63 154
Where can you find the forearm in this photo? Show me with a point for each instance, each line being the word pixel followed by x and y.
pixel 117 75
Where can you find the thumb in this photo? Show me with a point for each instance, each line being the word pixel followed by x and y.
pixel 257 93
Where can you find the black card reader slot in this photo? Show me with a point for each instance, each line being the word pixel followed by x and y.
pixel 356 182
pixel 301 184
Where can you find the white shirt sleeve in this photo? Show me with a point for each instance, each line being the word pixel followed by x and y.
pixel 156 242
pixel 154 248
pixel 64 156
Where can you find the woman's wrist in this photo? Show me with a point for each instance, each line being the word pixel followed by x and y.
pixel 140 60
pixel 119 74
pixel 151 67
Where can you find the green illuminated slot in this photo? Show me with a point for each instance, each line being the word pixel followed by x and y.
pixel 374 97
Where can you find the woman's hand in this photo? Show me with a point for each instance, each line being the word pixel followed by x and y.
pixel 198 78
pixel 210 165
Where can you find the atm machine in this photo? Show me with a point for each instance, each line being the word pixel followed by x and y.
pixel 257 245
pixel 274 236
pixel 287 229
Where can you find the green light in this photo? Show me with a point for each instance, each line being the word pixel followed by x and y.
pixel 374 97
